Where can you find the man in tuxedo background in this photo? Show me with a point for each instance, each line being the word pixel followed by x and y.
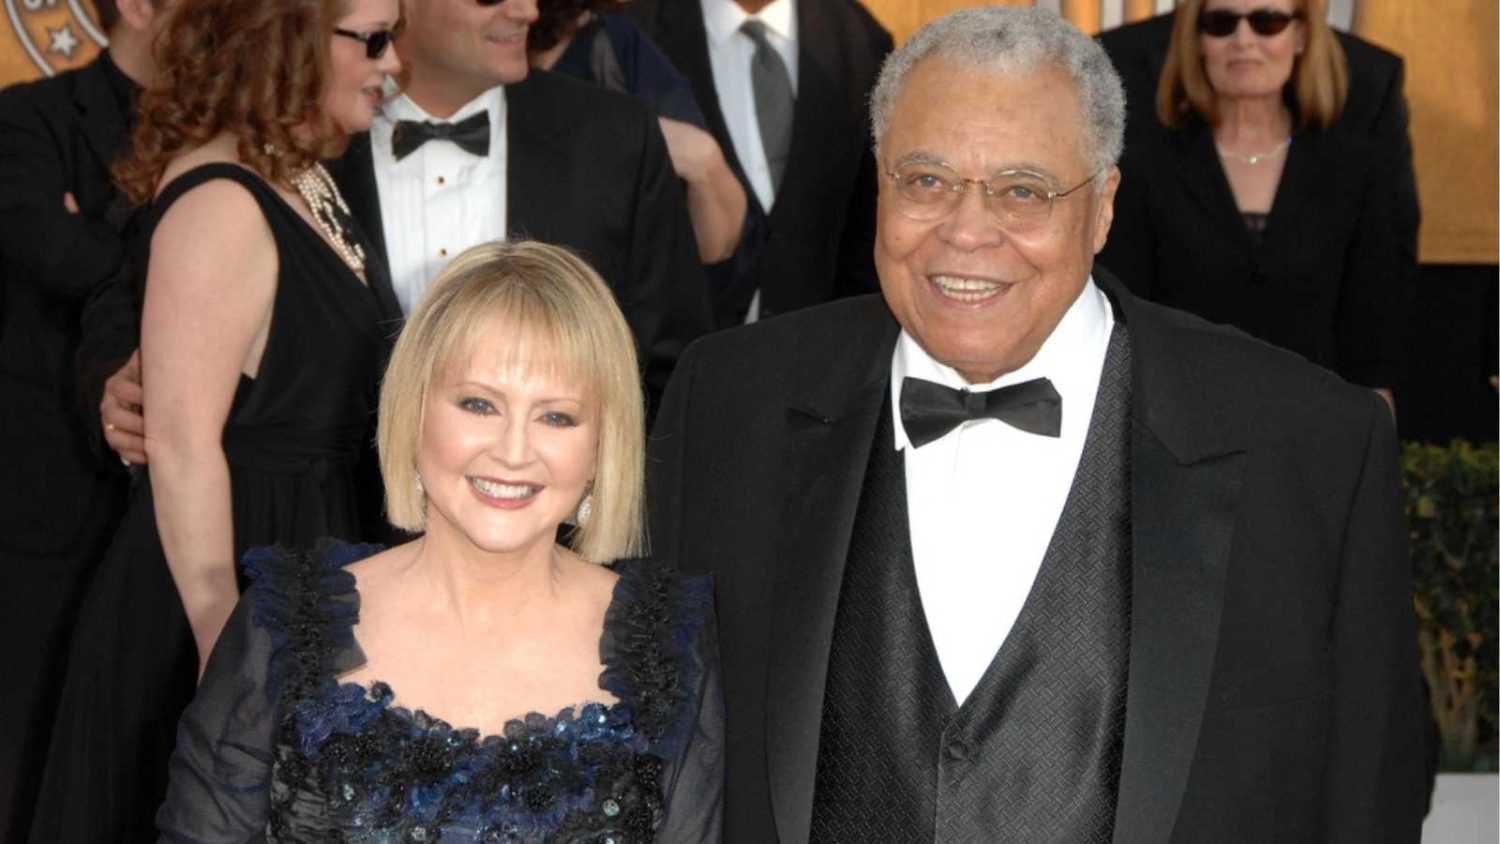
pixel 1008 554
pixel 783 84
pixel 63 233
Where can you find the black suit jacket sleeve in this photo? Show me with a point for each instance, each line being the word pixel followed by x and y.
pixel 1374 788
pixel 664 294
pixel 63 254
pixel 1368 330
pixel 109 334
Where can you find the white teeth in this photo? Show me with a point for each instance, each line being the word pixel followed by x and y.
pixel 497 490
pixel 966 289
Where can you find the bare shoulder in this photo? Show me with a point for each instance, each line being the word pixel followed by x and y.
pixel 592 583
pixel 374 573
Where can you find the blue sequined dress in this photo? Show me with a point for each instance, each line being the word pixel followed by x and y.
pixel 275 746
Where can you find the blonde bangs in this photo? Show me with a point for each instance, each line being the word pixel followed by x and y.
pixel 553 316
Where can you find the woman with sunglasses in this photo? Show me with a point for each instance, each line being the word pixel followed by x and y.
pixel 1243 204
pixel 261 343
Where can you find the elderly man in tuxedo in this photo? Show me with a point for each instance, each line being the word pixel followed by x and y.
pixel 1007 554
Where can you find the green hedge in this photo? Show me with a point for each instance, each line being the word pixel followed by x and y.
pixel 1451 510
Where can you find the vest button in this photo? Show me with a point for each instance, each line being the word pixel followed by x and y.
pixel 958 750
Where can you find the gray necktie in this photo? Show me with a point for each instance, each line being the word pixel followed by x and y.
pixel 773 100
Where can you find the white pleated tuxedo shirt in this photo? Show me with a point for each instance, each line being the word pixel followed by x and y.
pixel 984 499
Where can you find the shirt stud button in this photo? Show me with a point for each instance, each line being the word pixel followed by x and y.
pixel 442 253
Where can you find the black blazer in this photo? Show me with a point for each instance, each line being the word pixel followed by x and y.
pixel 1272 687
pixel 821 232
pixel 587 169
pixel 1376 107
pixel 57 135
pixel 1324 279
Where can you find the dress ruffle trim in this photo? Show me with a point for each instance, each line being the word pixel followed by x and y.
pixel 650 653
pixel 306 601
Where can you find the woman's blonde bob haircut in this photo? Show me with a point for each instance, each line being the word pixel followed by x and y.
pixel 1317 89
pixel 558 318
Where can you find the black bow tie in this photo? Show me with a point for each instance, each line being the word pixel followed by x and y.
pixel 928 410
pixel 471 134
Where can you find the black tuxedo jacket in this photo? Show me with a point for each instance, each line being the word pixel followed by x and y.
pixel 57 135
pixel 1272 689
pixel 1324 280
pixel 587 169
pixel 821 230
pixel 1375 109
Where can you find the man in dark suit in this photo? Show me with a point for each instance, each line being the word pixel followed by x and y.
pixel 820 208
pixel 1008 554
pixel 1375 108
pixel 577 165
pixel 62 233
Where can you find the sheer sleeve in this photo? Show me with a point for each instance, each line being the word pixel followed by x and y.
pixel 220 769
pixel 694 781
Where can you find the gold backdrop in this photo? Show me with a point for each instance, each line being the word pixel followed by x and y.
pixel 1452 83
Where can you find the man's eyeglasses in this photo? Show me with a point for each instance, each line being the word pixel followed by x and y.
pixel 375 42
pixel 1221 23
pixel 1020 200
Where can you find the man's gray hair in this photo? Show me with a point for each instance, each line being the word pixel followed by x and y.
pixel 1015 40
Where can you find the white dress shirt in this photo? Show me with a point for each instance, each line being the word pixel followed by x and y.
pixel 439 200
pixel 984 499
pixel 729 55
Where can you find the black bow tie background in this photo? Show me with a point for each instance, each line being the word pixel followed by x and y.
pixel 472 135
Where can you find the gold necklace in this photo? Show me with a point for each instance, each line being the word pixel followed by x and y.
pixel 330 213
pixel 1255 158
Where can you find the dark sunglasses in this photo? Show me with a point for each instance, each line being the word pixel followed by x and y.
pixel 1221 23
pixel 375 42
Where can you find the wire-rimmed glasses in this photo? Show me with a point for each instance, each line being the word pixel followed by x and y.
pixel 1019 199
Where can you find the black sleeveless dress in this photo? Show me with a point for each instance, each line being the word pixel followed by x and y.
pixel 294 439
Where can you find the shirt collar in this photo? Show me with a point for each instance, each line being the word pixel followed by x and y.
pixel 723 18
pixel 1086 325
pixel 403 108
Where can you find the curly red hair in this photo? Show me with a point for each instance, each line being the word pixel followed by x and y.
pixel 253 68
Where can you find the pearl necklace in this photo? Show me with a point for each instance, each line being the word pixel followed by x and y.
pixel 331 214
pixel 1255 158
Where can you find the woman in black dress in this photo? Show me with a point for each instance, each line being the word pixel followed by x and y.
pixel 1242 204
pixel 483 682
pixel 261 343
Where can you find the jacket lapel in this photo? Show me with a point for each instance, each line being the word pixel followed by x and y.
pixel 354 172
pixel 531 167
pixel 1185 489
pixel 830 423
pixel 1203 178
pixel 816 115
